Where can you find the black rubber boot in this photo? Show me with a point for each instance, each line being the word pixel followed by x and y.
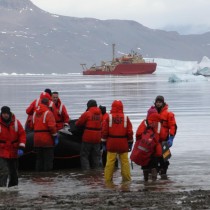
pixel 154 174
pixel 163 174
pixel 146 174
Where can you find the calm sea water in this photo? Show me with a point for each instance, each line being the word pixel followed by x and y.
pixel 190 101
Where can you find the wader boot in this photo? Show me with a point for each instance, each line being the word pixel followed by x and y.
pixel 154 174
pixel 163 174
pixel 146 174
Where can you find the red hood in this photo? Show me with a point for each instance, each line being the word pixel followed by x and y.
pixel 45 95
pixel 117 107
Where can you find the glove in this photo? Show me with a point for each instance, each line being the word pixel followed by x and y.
pixel 170 141
pixel 66 125
pixel 20 152
pixel 130 146
pixel 56 140
pixel 103 146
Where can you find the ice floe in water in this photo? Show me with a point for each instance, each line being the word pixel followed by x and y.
pixel 186 78
pixel 203 68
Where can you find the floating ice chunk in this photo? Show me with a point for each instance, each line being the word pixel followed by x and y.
pixel 203 67
pixel 204 71
pixel 186 78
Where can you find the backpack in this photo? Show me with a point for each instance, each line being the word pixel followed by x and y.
pixel 144 147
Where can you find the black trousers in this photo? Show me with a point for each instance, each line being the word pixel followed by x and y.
pixel 90 156
pixel 8 169
pixel 44 158
pixel 153 163
pixel 163 165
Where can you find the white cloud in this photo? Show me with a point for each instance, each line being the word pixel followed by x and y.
pixel 151 13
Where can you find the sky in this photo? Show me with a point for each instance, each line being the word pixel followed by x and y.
pixel 183 16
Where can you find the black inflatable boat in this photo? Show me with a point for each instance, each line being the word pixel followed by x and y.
pixel 66 152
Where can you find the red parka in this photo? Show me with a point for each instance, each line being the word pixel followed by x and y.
pixel 12 137
pixel 168 124
pixel 105 116
pixel 61 115
pixel 117 129
pixel 91 120
pixel 44 127
pixel 33 106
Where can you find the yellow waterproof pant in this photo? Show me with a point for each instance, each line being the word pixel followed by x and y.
pixel 110 165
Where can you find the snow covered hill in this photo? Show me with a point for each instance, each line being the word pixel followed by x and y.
pixel 36 41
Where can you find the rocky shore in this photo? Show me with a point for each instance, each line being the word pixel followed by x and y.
pixel 197 199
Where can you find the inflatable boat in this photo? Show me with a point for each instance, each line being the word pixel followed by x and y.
pixel 67 152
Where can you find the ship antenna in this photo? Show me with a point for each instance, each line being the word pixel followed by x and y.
pixel 113 52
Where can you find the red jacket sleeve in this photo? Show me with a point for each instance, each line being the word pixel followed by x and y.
pixel 21 135
pixel 129 130
pixel 31 108
pixel 82 120
pixel 51 123
pixel 140 130
pixel 65 115
pixel 172 124
pixel 105 128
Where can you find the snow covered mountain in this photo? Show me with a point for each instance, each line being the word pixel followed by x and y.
pixel 36 41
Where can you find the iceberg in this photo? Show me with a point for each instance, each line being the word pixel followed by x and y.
pixel 186 78
pixel 203 67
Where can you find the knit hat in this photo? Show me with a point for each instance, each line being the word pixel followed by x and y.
pixel 5 109
pixel 91 103
pixel 159 98
pixel 103 109
pixel 47 90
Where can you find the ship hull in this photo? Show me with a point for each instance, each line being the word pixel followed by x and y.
pixel 125 69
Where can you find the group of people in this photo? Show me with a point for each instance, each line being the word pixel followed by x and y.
pixel 46 115
pixel 111 132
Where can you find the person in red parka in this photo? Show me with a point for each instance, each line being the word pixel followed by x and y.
pixel 12 143
pixel 45 136
pixel 91 121
pixel 151 122
pixel 117 135
pixel 167 131
pixel 61 116
pixel 33 106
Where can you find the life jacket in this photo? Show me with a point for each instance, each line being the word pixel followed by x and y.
pixel 146 146
pixel 91 121
pixel 33 106
pixel 12 136
pixel 117 140
pixel 117 129
pixel 44 127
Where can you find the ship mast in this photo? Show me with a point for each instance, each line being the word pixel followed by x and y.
pixel 113 52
